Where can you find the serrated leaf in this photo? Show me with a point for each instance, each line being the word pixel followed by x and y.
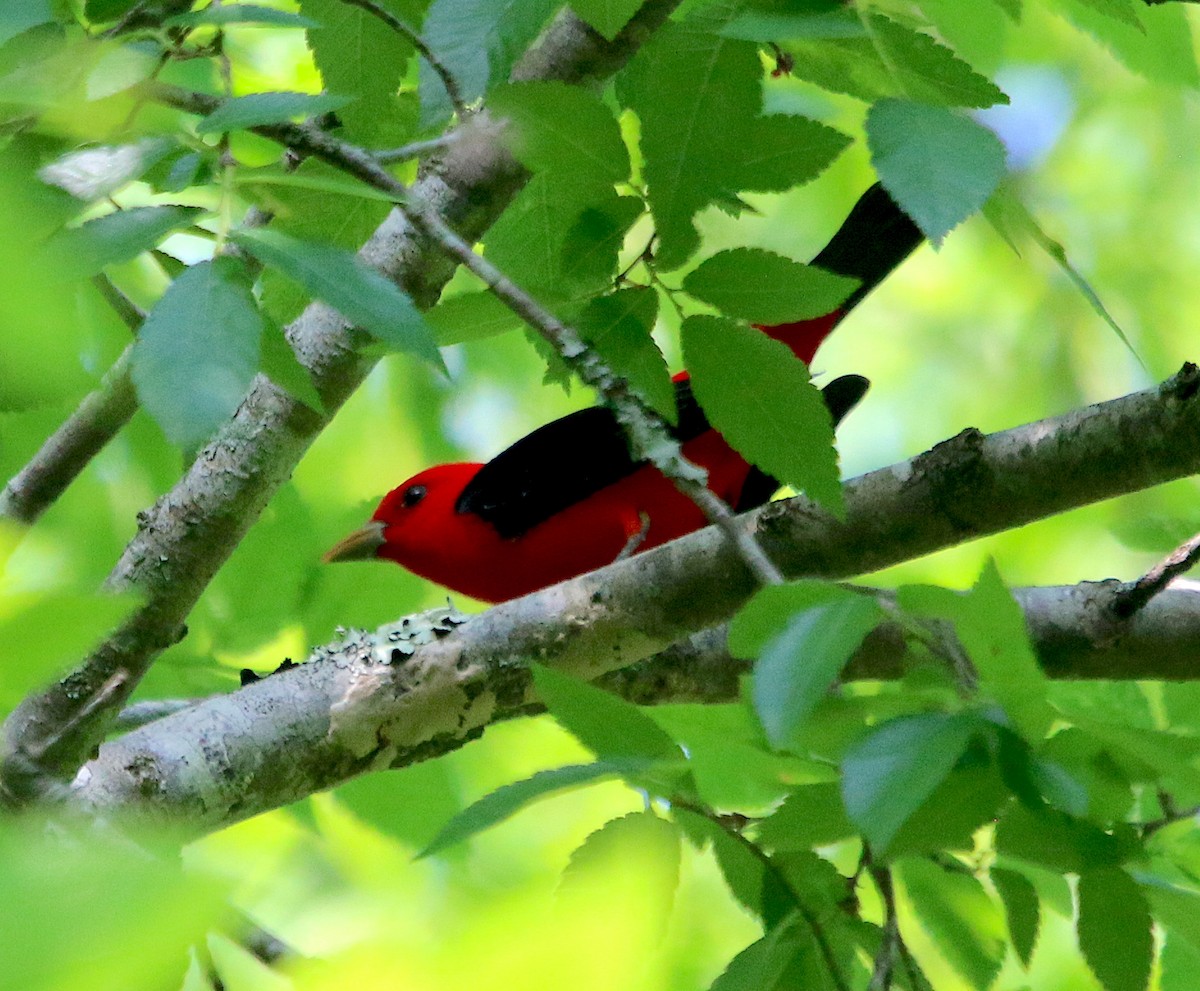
pixel 243 112
pixel 507 801
pixel 616 731
pixel 762 964
pixel 763 287
pixel 359 53
pixel 241 13
pixel 606 16
pixel 556 127
pixel 1159 48
pixel 1049 838
pixel 759 397
pixel 1021 908
pixel 198 350
pixel 812 815
pixel 1118 10
pixel 618 326
pixel 890 773
pixel 928 72
pixel 955 911
pixel 697 96
pixel 592 245
pixel 799 19
pixel 991 628
pixel 1115 929
pixel 114 238
pixel 939 166
pixel 478 42
pixel 785 150
pixel 323 182
pixel 281 366
pixel 471 316
pixel 796 669
pixel 339 278
pixel 767 613
pixel 17 18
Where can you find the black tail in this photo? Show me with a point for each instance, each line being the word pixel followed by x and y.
pixel 841 396
pixel 875 238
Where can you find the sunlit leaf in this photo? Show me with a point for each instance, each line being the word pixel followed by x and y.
pixel 1021 908
pixel 1114 927
pixel 764 287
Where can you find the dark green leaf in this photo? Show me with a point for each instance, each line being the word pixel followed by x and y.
pixel 507 801
pixel 767 613
pixel 938 165
pixel 243 112
pixel 965 925
pixel 558 128
pixel 281 366
pixel 618 326
pixel 349 285
pixel 890 773
pixel 1114 926
pixel 1021 908
pixel 1052 839
pixel 198 350
pixel 606 16
pixel 470 316
pixel 114 238
pixel 796 669
pixel 812 815
pixel 588 259
pixel 799 19
pixel 763 287
pixel 189 169
pixel 615 730
pixel 1118 10
pixel 241 13
pixel 759 396
pixel 785 151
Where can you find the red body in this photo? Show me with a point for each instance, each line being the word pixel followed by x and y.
pixel 464 553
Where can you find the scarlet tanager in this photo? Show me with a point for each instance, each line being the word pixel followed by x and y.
pixel 568 498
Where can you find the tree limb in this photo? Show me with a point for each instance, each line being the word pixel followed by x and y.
pixel 361 705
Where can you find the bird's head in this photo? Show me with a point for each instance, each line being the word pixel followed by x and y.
pixel 410 522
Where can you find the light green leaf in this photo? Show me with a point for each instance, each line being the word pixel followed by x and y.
pixel 955 910
pixel 333 182
pixel 759 396
pixel 350 286
pixel 940 167
pixel 1159 47
pixel 606 16
pixel 796 669
pixel 240 970
pixel 1118 10
pixel 243 112
pixel 507 801
pixel 198 350
pixel 888 774
pixel 800 19
pixel 114 238
pixel 785 150
pixel 470 316
pixel 16 18
pixel 767 613
pixel 1115 929
pixel 763 287
pixel 241 13
pixel 618 326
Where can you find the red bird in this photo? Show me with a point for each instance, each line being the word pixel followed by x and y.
pixel 568 498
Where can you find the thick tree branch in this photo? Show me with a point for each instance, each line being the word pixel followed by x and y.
pixel 185 537
pixel 363 705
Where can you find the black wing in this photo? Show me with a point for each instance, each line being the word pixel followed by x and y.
pixel 561 464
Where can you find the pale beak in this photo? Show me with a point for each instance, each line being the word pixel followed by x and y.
pixel 361 545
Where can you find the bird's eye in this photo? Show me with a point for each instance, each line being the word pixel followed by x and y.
pixel 412 495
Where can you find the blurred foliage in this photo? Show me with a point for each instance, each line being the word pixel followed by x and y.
pixel 1020 835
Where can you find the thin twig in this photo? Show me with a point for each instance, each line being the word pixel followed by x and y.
pixel 1135 595
pixel 414 39
pixel 130 313
pixel 891 946
pixel 416 149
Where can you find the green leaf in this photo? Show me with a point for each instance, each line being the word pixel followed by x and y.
pixel 471 316
pixel 769 610
pixel 798 19
pixel 634 859
pixel 1158 47
pixel 938 165
pixel 510 799
pixel 797 668
pixel 241 13
pixel 812 815
pixel 618 326
pixel 478 42
pixel 889 774
pixel 559 128
pixel 953 908
pixel 697 96
pixel 1115 929
pixel 785 150
pixel 616 731
pixel 198 351
pixel 588 258
pixel 1049 838
pixel 281 366
pixel 606 16
pixel 1021 908
pixel 1118 10
pixel 243 112
pixel 359 53
pixel 763 287
pixel 17 18
pixel 928 72
pixel 759 396
pixel 114 238
pixel 240 970
pixel 339 278
pixel 991 628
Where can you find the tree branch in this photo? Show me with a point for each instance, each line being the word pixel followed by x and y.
pixel 185 537
pixel 362 705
